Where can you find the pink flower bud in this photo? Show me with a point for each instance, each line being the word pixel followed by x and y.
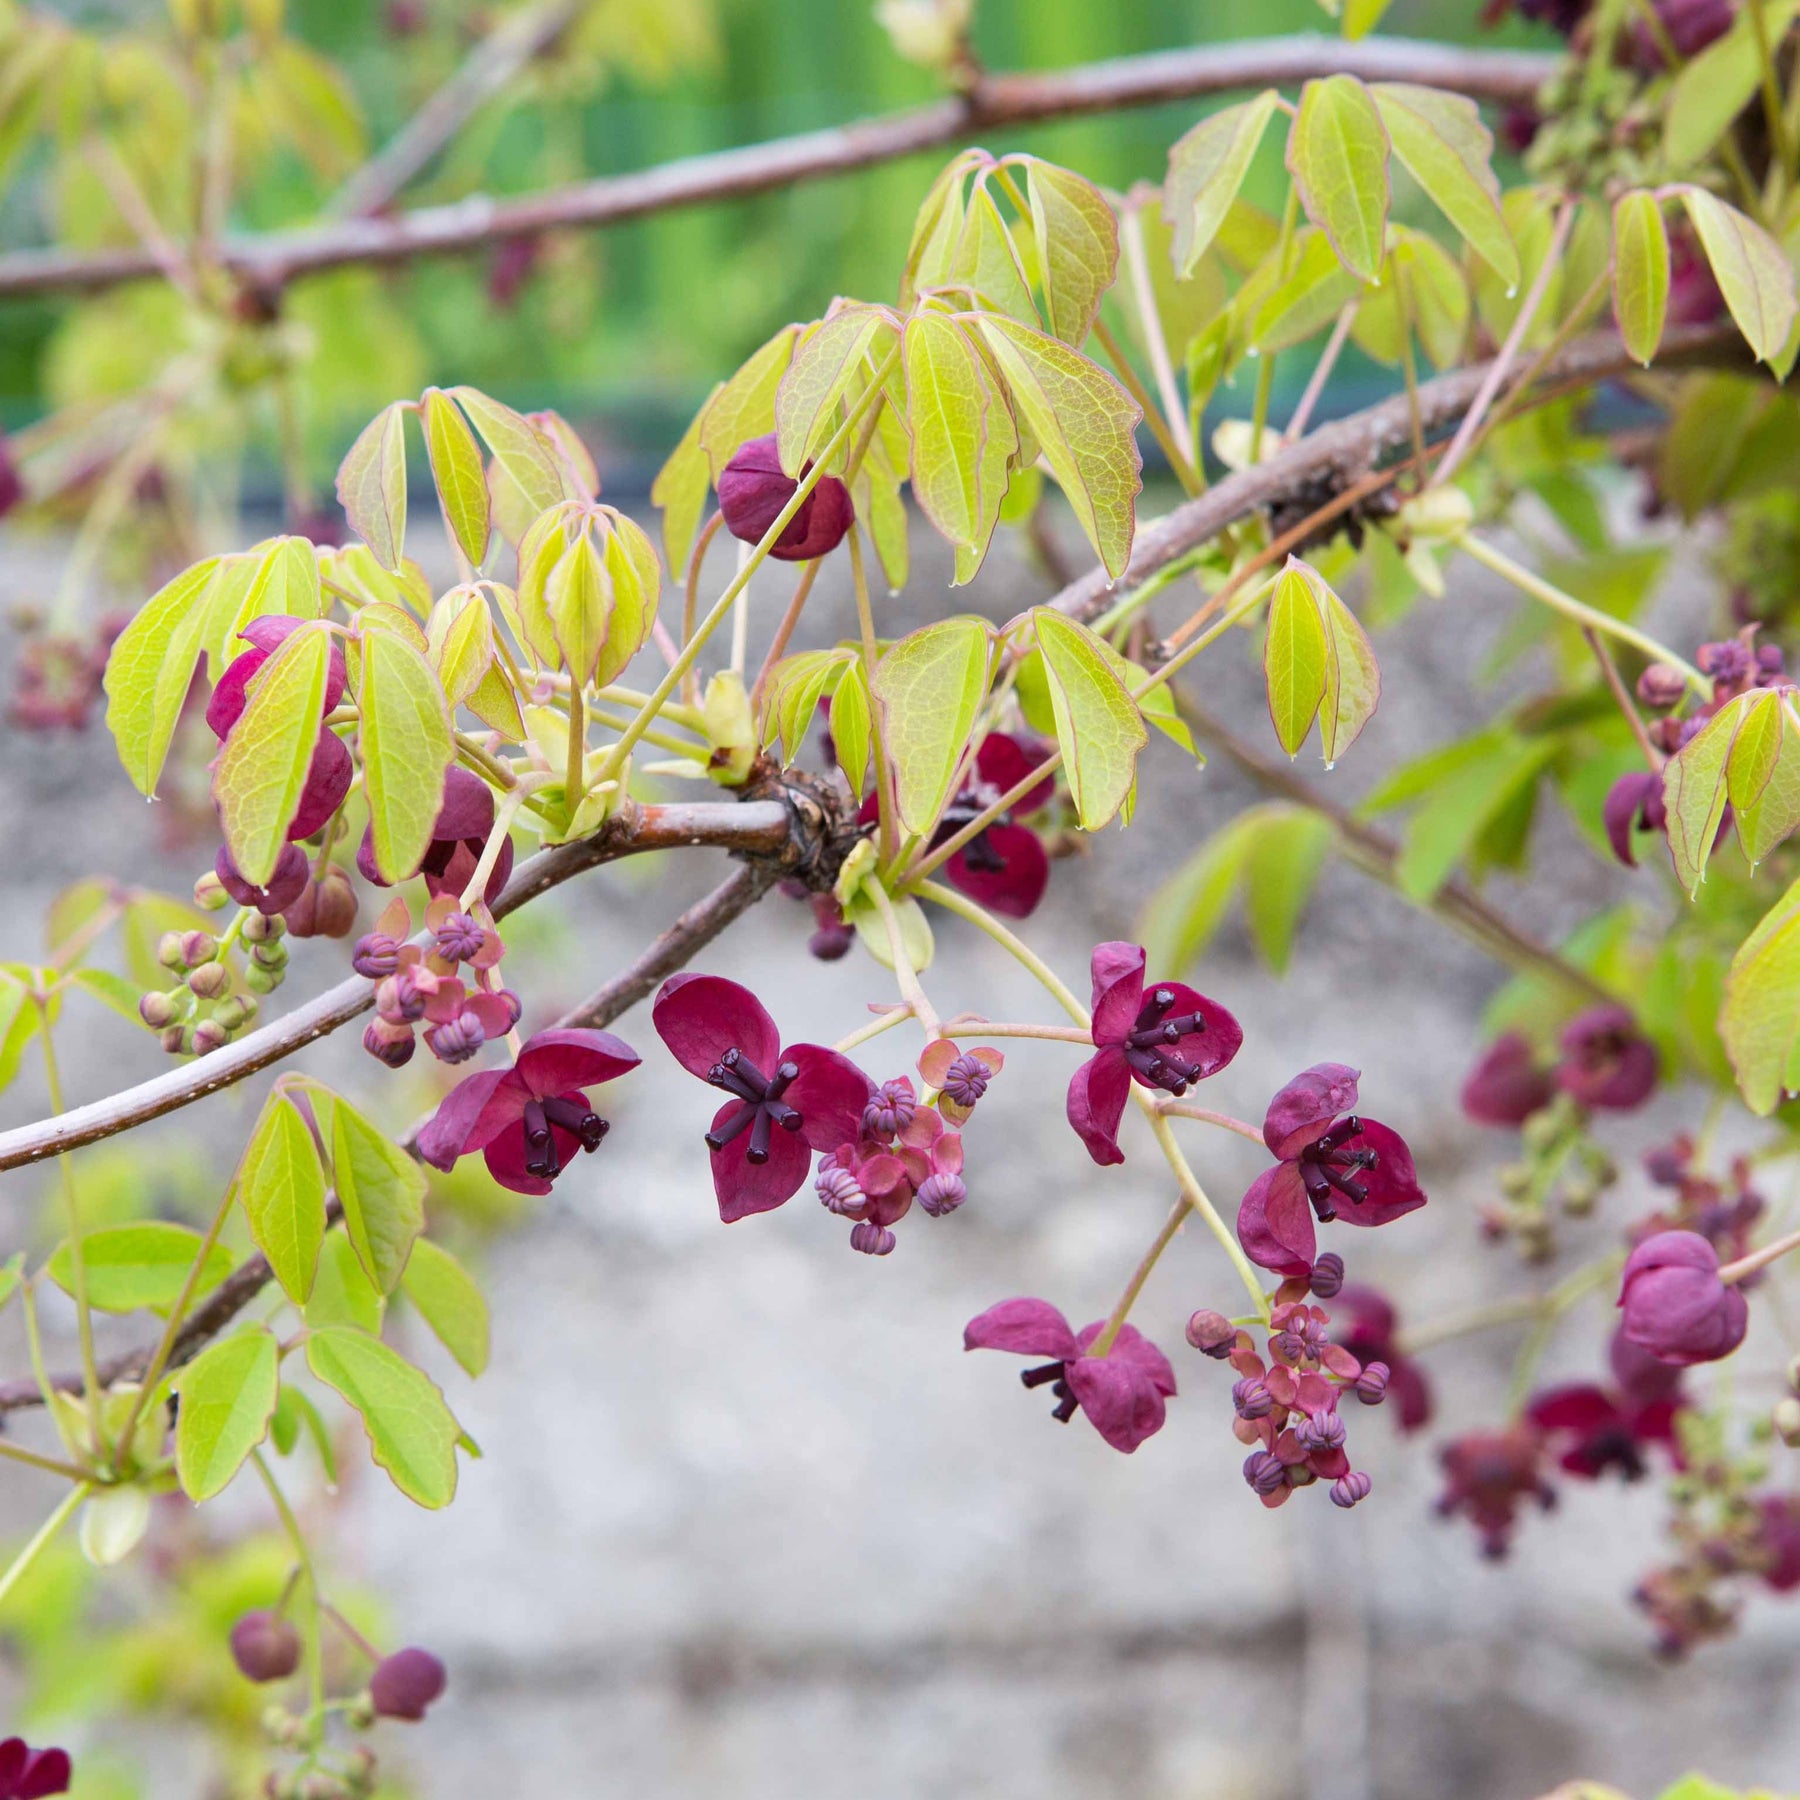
pixel 1674 1303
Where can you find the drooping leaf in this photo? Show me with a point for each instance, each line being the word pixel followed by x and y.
pixel 456 468
pixel 1352 679
pixel 872 931
pixel 295 1413
pixel 371 484
pixel 406 749
pixel 149 670
pixel 1098 726
pixel 450 1303
pixel 1753 274
pixel 1295 654
pixel 285 581
pixel 929 686
pixel 228 1395
pixel 1640 283
pixel 459 640
pixel 1716 84
pixel 824 366
pixel 744 407
pixel 139 1266
pixel 1337 153
pixel 791 702
pixel 281 1187
pixel 382 1191
pixel 1085 424
pixel 412 1433
pixel 1077 246
pixel 1206 171
pixel 1694 792
pixel 517 446
pixel 1762 776
pixel 578 600
pixel 261 769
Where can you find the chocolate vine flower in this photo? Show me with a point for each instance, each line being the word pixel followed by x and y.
pixel 27 1774
pixel 406 1683
pixel 528 1121
pixel 1633 803
pixel 960 1076
pixel 1607 1062
pixel 1368 1327
pixel 1123 1392
pixel 753 488
pixel 1004 867
pixel 784 1102
pixel 1596 1430
pixel 1675 1305
pixel 1165 1037
pixel 457 840
pixel 1488 1476
pixel 265 1646
pixel 1509 1084
pixel 1333 1164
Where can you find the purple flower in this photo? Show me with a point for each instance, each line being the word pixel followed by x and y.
pixel 1365 1324
pixel 405 1683
pixel 528 1121
pixel 1597 1430
pixel 1488 1474
pixel 753 488
pixel 457 840
pixel 1508 1085
pixel 1675 1305
pixel 1634 802
pixel 1607 1062
pixel 1166 1038
pixel 287 881
pixel 265 1646
pixel 1123 1392
pixel 785 1102
pixel 27 1774
pixel 1328 1156
pixel 1005 866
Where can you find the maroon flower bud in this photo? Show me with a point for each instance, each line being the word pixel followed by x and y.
pixel 1607 1062
pixel 389 1043
pixel 966 1080
pixel 209 1035
pixel 871 1239
pixel 940 1194
pixel 1211 1333
pixel 891 1108
pixel 1327 1275
pixel 1675 1305
pixel 831 943
pixel 405 1683
pixel 1507 1086
pixel 836 1187
pixel 157 1010
pixel 285 885
pixel 376 955
pixel 1252 1398
pixel 1319 1432
pixel 1661 685
pixel 265 1646
pixel 456 1040
pixel 1349 1488
pixel 1265 1471
pixel 326 909
pixel 460 938
pixel 209 981
pixel 753 488
pixel 1371 1386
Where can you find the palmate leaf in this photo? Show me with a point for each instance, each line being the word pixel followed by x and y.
pixel 830 357
pixel 1337 153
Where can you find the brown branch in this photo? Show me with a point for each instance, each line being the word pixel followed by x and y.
pixel 996 102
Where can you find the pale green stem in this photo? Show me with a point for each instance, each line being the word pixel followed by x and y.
pixel 1015 947
pixel 504 814
pixel 575 774
pixel 895 1015
pixel 1771 95
pixel 43 1537
pixel 34 1340
pixel 51 1465
pixel 1180 1109
pixel 887 807
pixel 1554 1304
pixel 1760 1258
pixel 905 975
pixel 1143 294
pixel 1196 1197
pixel 315 1657
pixel 1056 1034
pixel 84 1315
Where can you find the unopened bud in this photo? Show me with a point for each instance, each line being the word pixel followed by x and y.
pixel 389 1043
pixel 941 1194
pixel 272 956
pixel 265 1647
pixel 210 894
pixel 405 1683
pixel 1371 1385
pixel 209 981
pixel 1661 685
pixel 264 928
pixel 174 1040
pixel 209 1035
pixel 260 980
pixel 198 947
pixel 168 951
pixel 157 1010
pixel 1211 1333
pixel 1349 1488
pixel 234 1014
pixel 1327 1276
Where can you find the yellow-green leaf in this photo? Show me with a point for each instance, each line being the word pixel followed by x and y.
pixel 412 1432
pixel 744 408
pixel 1337 153
pixel 450 1303
pixel 261 768
pixel 1640 281
pixel 456 468
pixel 1077 246
pixel 342 1292
pixel 281 1187
pixel 286 581
pixel 578 598
pixel 829 359
pixel 371 484
pixel 406 749
pixel 150 668
pixel 1352 679
pixel 517 446
pixel 929 686
pixel 851 732
pixel 1694 792
pixel 382 1191
pixel 1296 652
pixel 460 642
pixel 228 1394
pixel 140 1266
pixel 1748 264
pixel 636 578
pixel 1206 170
pixel 1716 85
pixel 1762 776
pixel 956 424
pixel 1760 1020
pixel 1098 726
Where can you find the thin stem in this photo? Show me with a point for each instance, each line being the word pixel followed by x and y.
pixel 1513 1311
pixel 42 1537
pixel 84 1315
pixel 690 604
pixel 1408 366
pixel 1622 696
pixel 483 763
pixel 1164 1238
pixel 779 642
pixel 1315 386
pixel 894 1015
pixel 905 975
pixel 1180 1109
pixel 1781 142
pixel 315 1651
pixel 51 1465
pixel 1143 294
pixel 1160 429
pixel 575 756
pixel 1058 1034
pixel 34 1344
pixel 1584 615
pixel 887 806
pixel 1015 947
pixel 1552 1307
pixel 1759 1259
pixel 1197 1199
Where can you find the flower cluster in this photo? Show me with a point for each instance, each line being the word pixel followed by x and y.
pixel 1725 1211
pixel 418 985
pixel 1489 1475
pixel 1603 1062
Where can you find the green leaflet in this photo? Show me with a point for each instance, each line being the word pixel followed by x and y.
pixel 143 1265
pixel 342 1292
pixel 1098 726
pixel 1443 145
pixel 829 359
pixel 791 701
pixel 578 601
pixel 412 1433
pixel 519 448
pixel 961 436
pixel 371 483
pixel 1085 424
pixel 281 1187
pixel 680 490
pixel 459 638
pixel 228 1394
pixel 406 749
pixel 1436 295
pixel 1640 282
pixel 744 407
pixel 1752 272
pixel 851 726
pixel 450 1303
pixel 1284 859
pixel 1716 85
pixel 1337 153
pixel 458 472
pixel 1760 1019
pixel 871 929
pixel 260 771
pixel 1294 657
pixel 636 578
pixel 929 686
pixel 382 1191
pixel 1206 171
pixel 1077 241
pixel 1694 793
pixel 150 669
pixel 985 260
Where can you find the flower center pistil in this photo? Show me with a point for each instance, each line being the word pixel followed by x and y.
pixel 762 1107
pixel 578 1119
pixel 1066 1403
pixel 970 803
pixel 1149 1045
pixel 1326 1165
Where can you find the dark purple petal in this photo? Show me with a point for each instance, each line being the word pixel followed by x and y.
pixel 1005 759
pixel 1013 889
pixel 1634 801
pixel 1508 1085
pixel 457 870
pixel 507 1153
pixel 461 1124
pixel 1577 1406
pixel 1120 1399
pixel 1117 969
pixel 1393 1183
pixel 1133 1347
pixel 1275 1223
pixel 1211 1048
pixel 822 523
pixel 1607 1061
pixel 555 1062
pixel 1307 1105
pixel 700 1017
pixel 328 779
pixel 1643 1379
pixel 468 807
pixel 48 1772
pixel 286 884
pixel 1098 1091
pixel 1674 1303
pixel 1026 1327
pixel 14 1754
pixel 829 1093
pixel 744 1187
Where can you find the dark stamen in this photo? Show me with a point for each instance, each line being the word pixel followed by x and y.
pixel 761 1108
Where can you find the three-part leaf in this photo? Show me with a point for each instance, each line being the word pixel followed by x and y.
pixel 1318 663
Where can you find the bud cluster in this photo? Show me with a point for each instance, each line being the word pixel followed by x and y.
pixel 207 1008
pixel 418 988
